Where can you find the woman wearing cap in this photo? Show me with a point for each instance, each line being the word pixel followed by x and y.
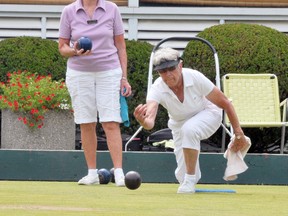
pixel 194 105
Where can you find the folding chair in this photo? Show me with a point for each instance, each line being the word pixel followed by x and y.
pixel 255 98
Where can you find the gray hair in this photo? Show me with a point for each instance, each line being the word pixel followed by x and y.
pixel 165 57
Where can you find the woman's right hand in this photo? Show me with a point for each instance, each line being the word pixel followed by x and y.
pixel 80 52
pixel 140 113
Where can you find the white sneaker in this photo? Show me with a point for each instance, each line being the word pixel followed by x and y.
pixel 119 177
pixel 186 187
pixel 120 181
pixel 89 180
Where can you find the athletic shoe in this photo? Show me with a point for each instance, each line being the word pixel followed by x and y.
pixel 187 187
pixel 120 181
pixel 89 180
pixel 119 177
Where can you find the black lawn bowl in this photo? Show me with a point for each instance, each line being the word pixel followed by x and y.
pixel 132 180
pixel 112 175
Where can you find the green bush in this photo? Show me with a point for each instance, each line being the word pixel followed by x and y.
pixel 244 48
pixel 33 54
pixel 241 48
pixel 42 56
pixel 138 67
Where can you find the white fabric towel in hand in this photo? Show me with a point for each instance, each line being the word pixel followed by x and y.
pixel 235 160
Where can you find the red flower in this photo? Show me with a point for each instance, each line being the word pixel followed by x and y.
pixel 24 91
pixel 40 117
pixel 19 84
pixel 24 120
pixel 16 105
pixel 33 111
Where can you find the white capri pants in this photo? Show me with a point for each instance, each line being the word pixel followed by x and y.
pixel 188 134
pixel 93 94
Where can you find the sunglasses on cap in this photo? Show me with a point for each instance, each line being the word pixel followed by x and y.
pixel 164 70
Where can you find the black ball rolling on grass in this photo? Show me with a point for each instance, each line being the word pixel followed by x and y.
pixel 104 176
pixel 112 175
pixel 132 180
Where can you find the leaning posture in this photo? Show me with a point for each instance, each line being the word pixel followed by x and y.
pixel 194 105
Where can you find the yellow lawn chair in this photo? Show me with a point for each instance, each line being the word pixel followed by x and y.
pixel 256 101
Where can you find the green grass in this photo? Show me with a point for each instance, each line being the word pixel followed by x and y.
pixel 67 198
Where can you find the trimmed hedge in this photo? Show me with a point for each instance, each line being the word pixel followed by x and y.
pixel 42 56
pixel 244 48
pixel 138 68
pixel 31 53
pixel 241 48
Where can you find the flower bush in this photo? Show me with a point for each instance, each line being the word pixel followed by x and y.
pixel 32 95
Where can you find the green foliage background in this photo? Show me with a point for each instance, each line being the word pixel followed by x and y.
pixel 42 56
pixel 138 68
pixel 33 54
pixel 244 48
pixel 241 48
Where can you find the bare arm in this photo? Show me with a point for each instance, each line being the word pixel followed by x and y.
pixel 145 114
pixel 65 49
pixel 121 48
pixel 218 98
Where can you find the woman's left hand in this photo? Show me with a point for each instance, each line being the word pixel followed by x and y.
pixel 126 89
pixel 239 144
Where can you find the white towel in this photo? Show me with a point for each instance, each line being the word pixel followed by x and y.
pixel 235 160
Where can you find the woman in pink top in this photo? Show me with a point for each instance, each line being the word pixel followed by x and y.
pixel 95 77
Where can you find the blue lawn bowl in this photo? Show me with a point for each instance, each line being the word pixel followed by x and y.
pixel 84 43
pixel 104 176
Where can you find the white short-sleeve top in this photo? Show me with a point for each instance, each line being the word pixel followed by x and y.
pixel 196 87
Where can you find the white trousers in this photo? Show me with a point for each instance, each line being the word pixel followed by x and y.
pixel 189 133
